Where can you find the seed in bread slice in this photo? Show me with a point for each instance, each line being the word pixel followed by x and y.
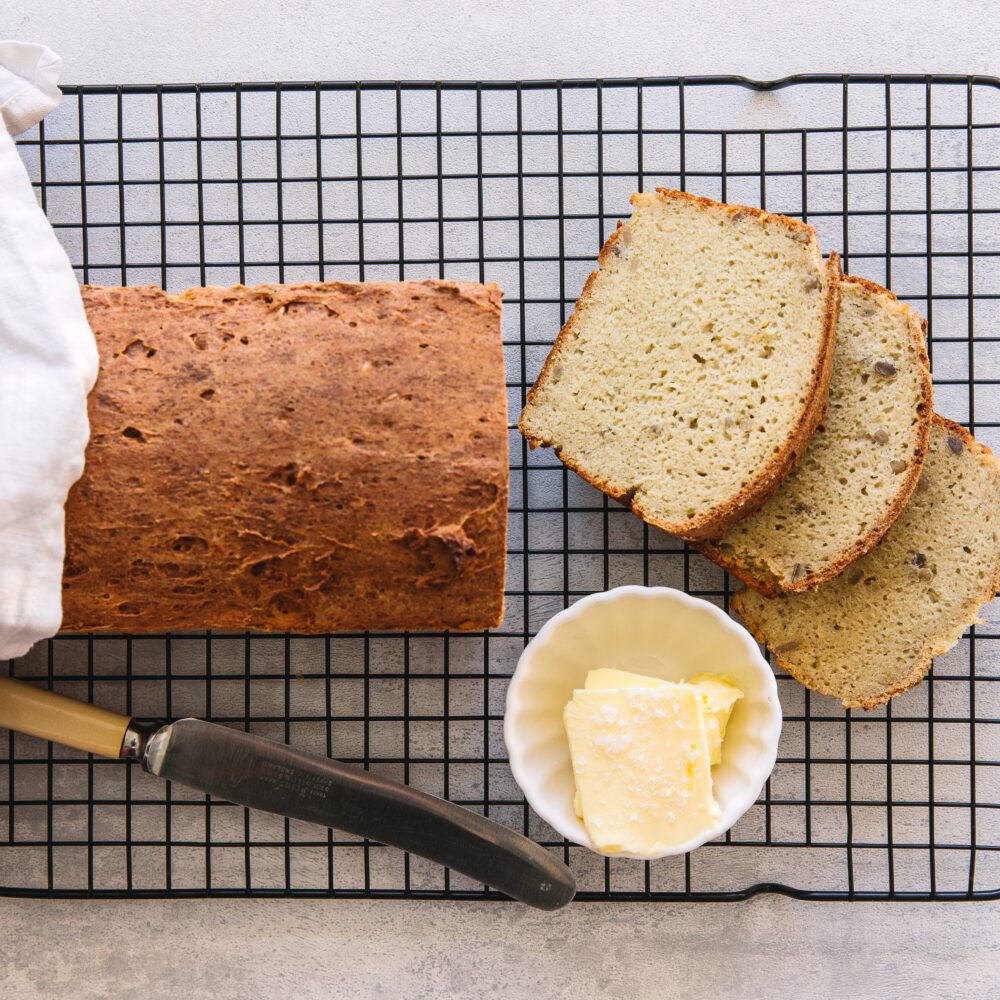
pixel 695 367
pixel 862 465
pixel 871 632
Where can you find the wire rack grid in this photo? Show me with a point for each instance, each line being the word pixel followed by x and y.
pixel 517 183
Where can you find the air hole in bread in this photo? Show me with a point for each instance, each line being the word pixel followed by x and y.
pixel 189 543
pixel 287 603
pixel 137 348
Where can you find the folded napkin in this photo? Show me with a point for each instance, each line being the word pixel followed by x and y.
pixel 48 364
pixel 29 75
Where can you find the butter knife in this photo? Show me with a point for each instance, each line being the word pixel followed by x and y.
pixel 261 774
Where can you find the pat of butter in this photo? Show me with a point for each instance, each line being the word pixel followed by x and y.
pixel 608 677
pixel 642 766
pixel 718 698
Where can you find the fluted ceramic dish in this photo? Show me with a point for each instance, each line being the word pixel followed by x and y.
pixel 657 631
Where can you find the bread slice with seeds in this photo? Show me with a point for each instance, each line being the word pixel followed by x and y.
pixel 871 632
pixel 862 465
pixel 695 367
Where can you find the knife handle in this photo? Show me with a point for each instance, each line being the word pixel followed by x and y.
pixel 38 712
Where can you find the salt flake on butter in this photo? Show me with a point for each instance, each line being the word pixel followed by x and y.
pixel 649 792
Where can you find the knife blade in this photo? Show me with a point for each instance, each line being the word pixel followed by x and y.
pixel 262 774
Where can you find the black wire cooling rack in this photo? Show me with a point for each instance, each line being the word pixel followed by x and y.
pixel 516 183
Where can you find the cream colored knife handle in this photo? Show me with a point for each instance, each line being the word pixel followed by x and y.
pixel 37 712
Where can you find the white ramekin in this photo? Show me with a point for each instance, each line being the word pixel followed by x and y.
pixel 657 631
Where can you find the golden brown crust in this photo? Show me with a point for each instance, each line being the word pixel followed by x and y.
pixel 763 486
pixel 969 612
pixel 276 459
pixel 760 576
pixel 728 208
pixel 871 286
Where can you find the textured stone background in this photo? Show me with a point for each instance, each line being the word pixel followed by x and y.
pixel 769 946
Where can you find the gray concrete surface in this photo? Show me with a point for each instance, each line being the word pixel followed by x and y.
pixel 767 947
pixel 108 41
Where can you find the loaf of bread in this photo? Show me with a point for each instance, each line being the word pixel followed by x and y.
pixel 862 465
pixel 870 633
pixel 304 458
pixel 695 368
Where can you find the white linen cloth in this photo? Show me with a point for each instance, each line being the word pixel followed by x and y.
pixel 48 364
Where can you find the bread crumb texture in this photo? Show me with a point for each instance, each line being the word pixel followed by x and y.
pixel 279 458
pixel 870 633
pixel 696 364
pixel 862 465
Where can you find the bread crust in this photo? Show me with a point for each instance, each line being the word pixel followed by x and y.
pixel 969 612
pixel 759 575
pixel 276 458
pixel 765 483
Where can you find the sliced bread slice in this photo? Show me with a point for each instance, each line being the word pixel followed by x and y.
pixel 871 632
pixel 862 465
pixel 695 367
